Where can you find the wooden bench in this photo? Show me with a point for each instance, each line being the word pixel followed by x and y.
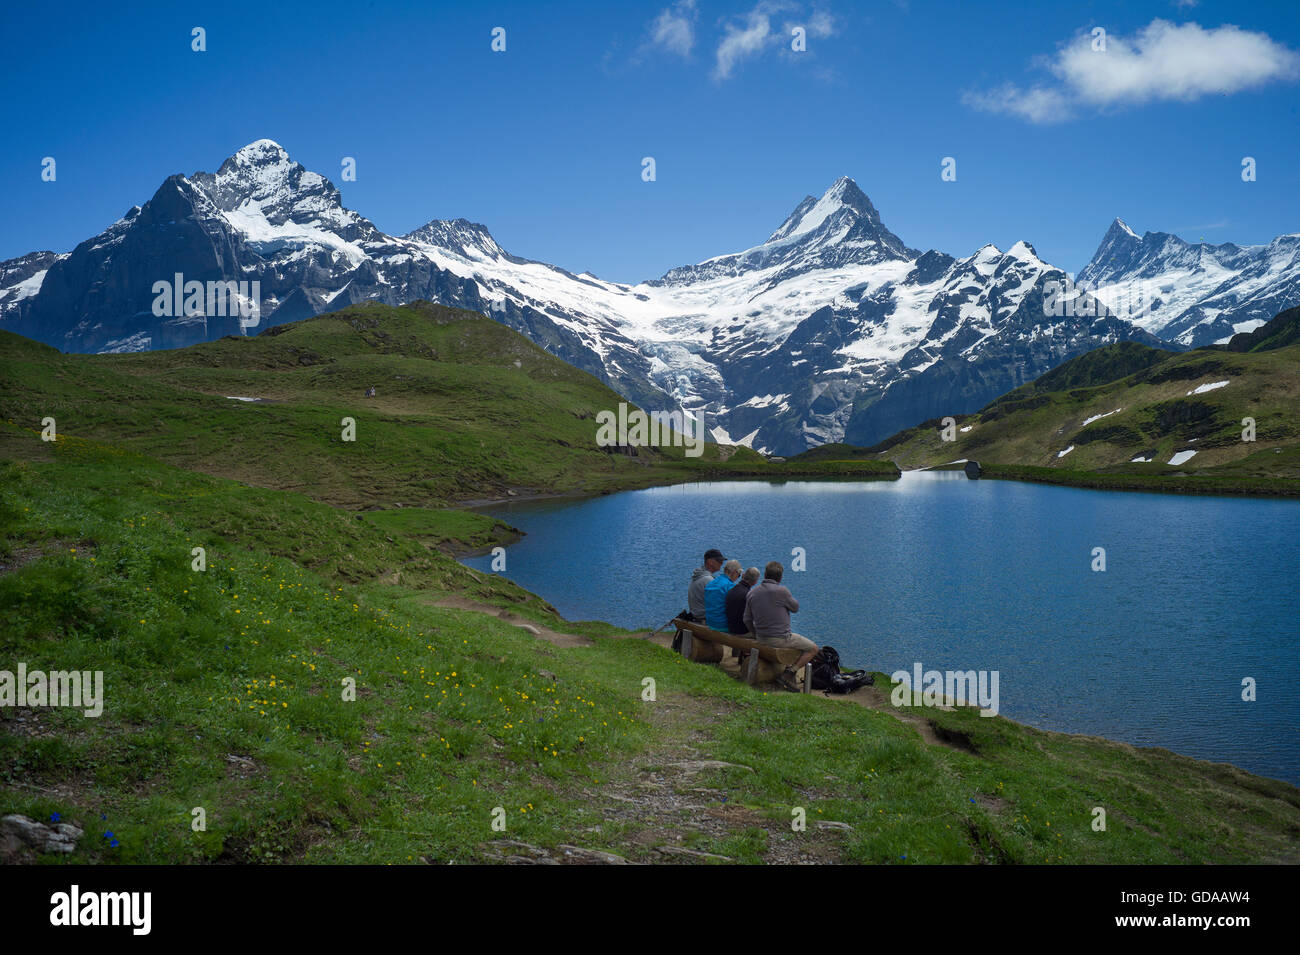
pixel 704 645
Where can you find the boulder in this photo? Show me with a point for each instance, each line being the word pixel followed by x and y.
pixel 17 831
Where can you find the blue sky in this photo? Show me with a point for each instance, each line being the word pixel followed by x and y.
pixel 544 142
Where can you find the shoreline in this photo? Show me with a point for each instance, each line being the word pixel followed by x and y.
pixel 475 504
pixel 1272 488
pixel 1155 748
pixel 904 713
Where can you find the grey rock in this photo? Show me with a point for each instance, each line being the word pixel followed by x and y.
pixel 17 830
pixel 831 824
pixel 589 856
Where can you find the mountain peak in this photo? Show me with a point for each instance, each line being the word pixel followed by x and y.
pixel 261 171
pixel 459 236
pixel 259 153
pixel 262 164
pixel 1117 245
pixel 846 192
pixel 843 198
pixel 1024 251
pixel 1120 228
pixel 267 196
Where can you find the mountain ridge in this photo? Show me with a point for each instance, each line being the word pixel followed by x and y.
pixel 1193 294
pixel 824 332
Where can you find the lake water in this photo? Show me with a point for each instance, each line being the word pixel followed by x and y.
pixel 1198 593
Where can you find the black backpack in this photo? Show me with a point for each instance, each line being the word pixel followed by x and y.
pixel 826 673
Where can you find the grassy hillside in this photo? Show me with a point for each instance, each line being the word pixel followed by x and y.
pixel 1117 417
pixel 466 409
pixel 223 691
pixel 224 686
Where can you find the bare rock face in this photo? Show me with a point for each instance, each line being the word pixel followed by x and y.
pixel 18 831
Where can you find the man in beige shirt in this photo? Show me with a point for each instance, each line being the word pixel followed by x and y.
pixel 767 614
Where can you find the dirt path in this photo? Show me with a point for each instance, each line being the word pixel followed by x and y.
pixel 657 809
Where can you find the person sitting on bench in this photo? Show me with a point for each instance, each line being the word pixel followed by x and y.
pixel 767 613
pixel 700 578
pixel 735 608
pixel 715 596
pixel 736 599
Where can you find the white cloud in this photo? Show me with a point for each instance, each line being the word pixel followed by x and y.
pixel 1162 61
pixel 1038 105
pixel 818 26
pixel 752 33
pixel 821 25
pixel 741 42
pixel 1174 62
pixel 674 28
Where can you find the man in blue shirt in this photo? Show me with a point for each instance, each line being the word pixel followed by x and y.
pixel 715 596
pixel 713 561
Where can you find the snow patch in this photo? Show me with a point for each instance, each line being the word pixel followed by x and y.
pixel 721 435
pixel 1182 457
pixel 132 343
pixel 1202 389
pixel 1098 417
pixel 27 287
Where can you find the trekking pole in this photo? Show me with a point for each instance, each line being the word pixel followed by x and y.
pixel 660 627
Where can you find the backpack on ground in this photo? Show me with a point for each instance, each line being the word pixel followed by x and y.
pixel 826 673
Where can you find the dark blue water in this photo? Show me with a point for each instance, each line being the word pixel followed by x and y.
pixel 1198 592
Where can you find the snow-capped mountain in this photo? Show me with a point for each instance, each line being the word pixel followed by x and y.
pixel 1193 294
pixel 831 329
pixel 812 336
